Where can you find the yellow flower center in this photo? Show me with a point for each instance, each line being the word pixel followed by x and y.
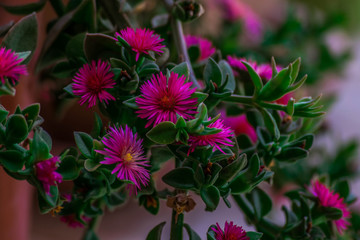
pixel 128 157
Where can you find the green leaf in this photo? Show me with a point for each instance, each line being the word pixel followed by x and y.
pixel 163 133
pixel 100 46
pixel 149 68
pixel 84 142
pixel 69 89
pixel 68 168
pixel 22 36
pixel 12 160
pixel 194 53
pixel 182 178
pixel 16 129
pixel 39 148
pixel 253 235
pixel 48 201
pixel 192 234
pixel 159 155
pixel 155 233
pixel 254 77
pixel 74 48
pixel 24 9
pixel 97 127
pixel 295 69
pixel 270 123
pixel 291 154
pixel 182 69
pixel 212 72
pixel 131 103
pixel 227 72
pixel 277 86
pixel 231 170
pixel 90 165
pixel 261 201
pixel 23 55
pixel 211 197
pixel 3 113
pixel 200 96
pixel 31 113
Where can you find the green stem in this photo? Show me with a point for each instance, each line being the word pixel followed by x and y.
pixel 262 224
pixel 247 100
pixel 176 226
pixel 94 224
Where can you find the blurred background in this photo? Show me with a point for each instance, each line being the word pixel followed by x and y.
pixel 325 36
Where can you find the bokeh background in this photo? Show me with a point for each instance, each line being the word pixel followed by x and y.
pixel 324 34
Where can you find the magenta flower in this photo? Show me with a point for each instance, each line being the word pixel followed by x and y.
pixel 263 70
pixel 205 46
pixel 231 232
pixel 46 173
pixel 141 41
pixel 161 99
pixel 240 125
pixel 238 10
pixel 91 81
pixel 123 149
pixel 215 140
pixel 9 66
pixel 328 198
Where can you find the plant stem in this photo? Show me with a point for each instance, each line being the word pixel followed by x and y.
pixel 177 223
pixel 248 100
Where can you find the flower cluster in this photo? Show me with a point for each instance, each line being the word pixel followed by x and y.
pixel 46 173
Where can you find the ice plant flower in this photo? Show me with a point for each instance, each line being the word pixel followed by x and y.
pixel 161 99
pixel 240 125
pixel 10 66
pixel 91 81
pixel 328 198
pixel 46 173
pixel 205 46
pixel 231 232
pixel 216 140
pixel 125 151
pixel 263 70
pixel 141 40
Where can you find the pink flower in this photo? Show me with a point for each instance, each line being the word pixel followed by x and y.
pixel 123 149
pixel 141 41
pixel 215 140
pixel 328 198
pixel 91 81
pixel 263 70
pixel 238 10
pixel 231 232
pixel 161 99
pixel 45 172
pixel 73 222
pixel 240 125
pixel 9 66
pixel 205 46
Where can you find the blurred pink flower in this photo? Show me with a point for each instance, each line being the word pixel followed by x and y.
pixel 161 99
pixel 91 81
pixel 231 232
pixel 123 149
pixel 46 173
pixel 214 140
pixel 238 10
pixel 141 41
pixel 328 198
pixel 205 46
pixel 10 66
pixel 240 125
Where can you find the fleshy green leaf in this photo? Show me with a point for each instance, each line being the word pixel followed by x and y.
pixel 16 129
pixel 84 142
pixel 182 178
pixel 155 233
pixel 12 160
pixel 163 133
pixel 211 197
